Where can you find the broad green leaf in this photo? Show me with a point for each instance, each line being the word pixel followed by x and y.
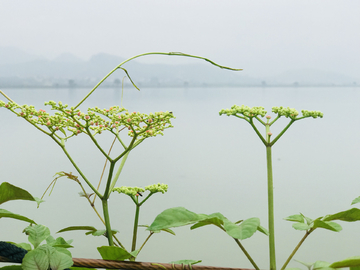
pixel 174 217
pixel 78 228
pixel 11 267
pixel 329 225
pixel 36 259
pixel 354 267
pixel 348 215
pixel 349 262
pixel 245 230
pixel 186 262
pixel 37 234
pixel 216 219
pixel 8 214
pixel 301 226
pixel 295 218
pixel 114 253
pixel 45 257
pixel 9 192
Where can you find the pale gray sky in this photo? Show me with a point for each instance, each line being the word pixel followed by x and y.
pixel 263 37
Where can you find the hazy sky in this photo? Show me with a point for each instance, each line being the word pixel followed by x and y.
pixel 263 37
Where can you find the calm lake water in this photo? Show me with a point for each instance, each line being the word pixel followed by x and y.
pixel 211 163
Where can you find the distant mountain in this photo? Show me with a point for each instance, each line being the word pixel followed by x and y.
pixel 19 69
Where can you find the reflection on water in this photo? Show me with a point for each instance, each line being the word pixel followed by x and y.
pixel 211 164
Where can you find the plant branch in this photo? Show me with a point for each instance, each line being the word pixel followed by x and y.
pixel 296 248
pixel 246 254
pixel 151 53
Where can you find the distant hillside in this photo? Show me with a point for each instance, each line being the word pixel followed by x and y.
pixel 19 69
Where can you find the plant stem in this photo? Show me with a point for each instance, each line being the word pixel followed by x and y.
pixel 246 254
pixel 151 53
pixel 296 249
pixel 271 209
pixel 136 223
pixel 107 221
pixel 151 233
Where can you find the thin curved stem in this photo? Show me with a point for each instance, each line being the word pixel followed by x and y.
pixel 296 249
pixel 151 53
pixel 246 254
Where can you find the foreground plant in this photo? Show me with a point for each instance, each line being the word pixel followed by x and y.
pixel 69 121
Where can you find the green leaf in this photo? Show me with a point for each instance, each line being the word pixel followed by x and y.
pixel 357 200
pixel 308 220
pixel 301 226
pixel 186 262
pixel 295 218
pixel 164 230
pixel 25 246
pixel 308 265
pixel 9 192
pixel 348 215
pixel 114 253
pixel 245 230
pixel 37 234
pixel 58 242
pixel 349 262
pixel 354 267
pixel 77 228
pixel 263 230
pixel 8 214
pixel 135 253
pixel 329 225
pixel 216 219
pixel 45 257
pixel 174 217
pixel 321 265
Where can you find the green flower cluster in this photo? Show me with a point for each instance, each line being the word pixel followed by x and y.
pixel 157 188
pixel 131 191
pixel 76 122
pixel 287 112
pixel 244 110
pixel 313 114
pixel 292 113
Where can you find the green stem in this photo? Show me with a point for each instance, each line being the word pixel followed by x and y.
pixel 271 209
pixel 246 254
pixel 136 223
pixel 283 131
pixel 296 249
pixel 107 221
pixel 151 53
pixel 151 233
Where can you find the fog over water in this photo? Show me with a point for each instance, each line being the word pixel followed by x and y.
pixel 211 163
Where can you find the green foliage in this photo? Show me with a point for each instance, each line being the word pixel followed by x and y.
pixel 90 230
pixel 52 255
pixel 114 253
pixel 174 217
pixel 45 257
pixel 9 192
pixel 8 214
